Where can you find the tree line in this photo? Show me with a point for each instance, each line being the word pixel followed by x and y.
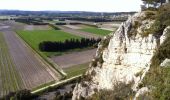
pixel 153 3
pixel 50 46
pixel 31 21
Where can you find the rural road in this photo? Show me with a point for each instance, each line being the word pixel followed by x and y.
pixel 78 32
pixel 74 58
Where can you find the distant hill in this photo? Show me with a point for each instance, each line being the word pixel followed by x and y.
pixel 60 13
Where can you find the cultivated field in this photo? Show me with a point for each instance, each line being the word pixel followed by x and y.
pixel 74 58
pixel 31 68
pixel 37 27
pixel 9 77
pixel 33 38
pixel 92 30
pixel 96 31
pixel 76 69
pixel 79 32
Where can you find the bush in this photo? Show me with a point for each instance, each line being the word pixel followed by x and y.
pixel 60 23
pixel 158 77
pixel 121 92
pixel 20 95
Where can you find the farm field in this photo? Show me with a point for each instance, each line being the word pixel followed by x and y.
pixel 37 27
pixel 66 60
pixel 76 70
pixel 96 31
pixel 9 78
pixel 33 38
pixel 79 32
pixel 32 69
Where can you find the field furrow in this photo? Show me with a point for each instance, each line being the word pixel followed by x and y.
pixel 32 71
pixel 9 79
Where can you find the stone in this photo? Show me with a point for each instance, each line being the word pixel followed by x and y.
pixel 126 59
pixel 165 63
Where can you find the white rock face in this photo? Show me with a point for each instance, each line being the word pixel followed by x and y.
pixel 141 91
pixel 165 63
pixel 126 59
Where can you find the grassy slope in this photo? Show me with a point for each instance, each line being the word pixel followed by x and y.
pixel 33 38
pixel 96 31
pixel 76 70
pixel 158 78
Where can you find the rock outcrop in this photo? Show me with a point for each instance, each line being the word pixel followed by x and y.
pixel 122 57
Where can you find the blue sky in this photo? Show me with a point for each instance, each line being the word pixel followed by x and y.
pixel 72 5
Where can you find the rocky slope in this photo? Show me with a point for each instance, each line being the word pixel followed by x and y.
pixel 122 57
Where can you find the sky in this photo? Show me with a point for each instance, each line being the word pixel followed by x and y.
pixel 72 5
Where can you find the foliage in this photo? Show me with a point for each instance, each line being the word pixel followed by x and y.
pixel 65 96
pixel 162 52
pixel 20 95
pixel 121 91
pixel 158 77
pixel 31 21
pixel 60 23
pixel 161 18
pixel 33 38
pixel 150 14
pixel 105 42
pixel 153 2
pixel 49 46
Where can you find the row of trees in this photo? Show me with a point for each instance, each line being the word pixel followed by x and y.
pixel 64 23
pixel 50 46
pixel 30 21
pixel 152 3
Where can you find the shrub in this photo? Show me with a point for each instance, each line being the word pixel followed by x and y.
pixel 20 95
pixel 49 46
pixel 121 92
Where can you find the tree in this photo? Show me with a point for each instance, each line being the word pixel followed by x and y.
pixel 153 2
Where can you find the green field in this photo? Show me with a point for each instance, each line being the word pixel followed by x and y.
pixel 76 70
pixel 33 38
pixel 96 31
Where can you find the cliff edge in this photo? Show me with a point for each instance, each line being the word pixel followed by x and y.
pixel 122 58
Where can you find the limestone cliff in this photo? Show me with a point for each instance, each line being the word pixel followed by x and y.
pixel 122 57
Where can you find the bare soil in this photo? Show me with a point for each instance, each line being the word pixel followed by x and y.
pixel 74 58
pixel 78 32
pixel 32 70
pixel 36 27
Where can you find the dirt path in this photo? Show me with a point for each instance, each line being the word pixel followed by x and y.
pixel 74 58
pixel 78 32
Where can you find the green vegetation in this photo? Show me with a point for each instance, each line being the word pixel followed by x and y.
pixel 20 95
pixel 43 85
pixel 96 31
pixel 76 70
pixel 157 79
pixel 153 2
pixel 121 92
pixel 33 38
